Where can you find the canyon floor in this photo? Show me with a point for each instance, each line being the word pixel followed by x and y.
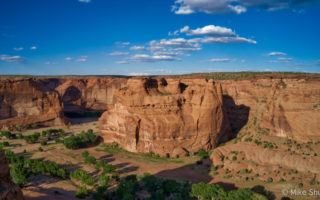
pixel 237 171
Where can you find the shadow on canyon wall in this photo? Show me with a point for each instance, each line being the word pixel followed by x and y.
pixel 238 115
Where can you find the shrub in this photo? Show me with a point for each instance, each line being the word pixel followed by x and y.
pixel 83 176
pixel 207 191
pixel 4 144
pixel 203 154
pixel 8 135
pixel 82 140
pixel 82 193
pixel 88 158
pixel 33 138
pixel 269 180
pixel 18 174
pixel 53 133
pixel 127 189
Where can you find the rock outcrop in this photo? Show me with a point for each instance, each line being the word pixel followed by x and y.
pixel 259 156
pixel 169 117
pixel 284 107
pixel 43 101
pixel 8 190
pixel 79 94
pixel 24 102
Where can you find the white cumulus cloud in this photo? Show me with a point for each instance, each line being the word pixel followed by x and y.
pixel 184 7
pixel 208 30
pixel 151 58
pixel 11 59
pixel 277 53
pixel 137 48
pixel 84 1
pixel 119 53
pixel 82 59
pixel 18 48
pixel 220 60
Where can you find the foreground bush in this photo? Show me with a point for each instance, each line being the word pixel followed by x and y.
pixel 81 140
pixel 161 189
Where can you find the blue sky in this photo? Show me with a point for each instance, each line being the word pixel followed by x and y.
pixel 144 37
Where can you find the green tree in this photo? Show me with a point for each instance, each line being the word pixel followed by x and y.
pixel 204 191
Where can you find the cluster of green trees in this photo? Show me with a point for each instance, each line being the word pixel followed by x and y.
pixel 21 168
pixel 160 189
pixel 83 176
pixel 81 140
pixel 4 144
pixel 88 158
pixel 44 136
pixel 32 138
pixel 53 133
pixel 94 185
pixel 8 135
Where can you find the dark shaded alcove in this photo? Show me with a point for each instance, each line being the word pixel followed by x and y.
pixel 237 115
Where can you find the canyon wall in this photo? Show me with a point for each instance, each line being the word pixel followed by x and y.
pixel 188 112
pixel 43 101
pixel 8 190
pixel 78 94
pixel 23 102
pixel 169 117
pixel 284 107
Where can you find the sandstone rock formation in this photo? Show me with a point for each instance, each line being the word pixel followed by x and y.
pixel 43 101
pixel 281 106
pixel 284 107
pixel 79 94
pixel 8 190
pixel 265 157
pixel 23 102
pixel 168 117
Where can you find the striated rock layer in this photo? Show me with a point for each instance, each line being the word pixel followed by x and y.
pixel 169 117
pixel 79 94
pixel 284 107
pixel 43 101
pixel 8 190
pixel 24 102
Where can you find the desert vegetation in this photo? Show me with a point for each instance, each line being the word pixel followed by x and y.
pixel 81 140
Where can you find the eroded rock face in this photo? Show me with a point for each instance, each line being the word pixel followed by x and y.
pixel 281 107
pixel 166 116
pixel 24 102
pixel 43 101
pixel 78 94
pixel 265 157
pixel 8 190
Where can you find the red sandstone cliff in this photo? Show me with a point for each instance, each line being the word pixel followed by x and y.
pixel 27 101
pixel 8 190
pixel 166 116
pixel 282 106
pixel 23 102
pixel 279 106
pixel 93 93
